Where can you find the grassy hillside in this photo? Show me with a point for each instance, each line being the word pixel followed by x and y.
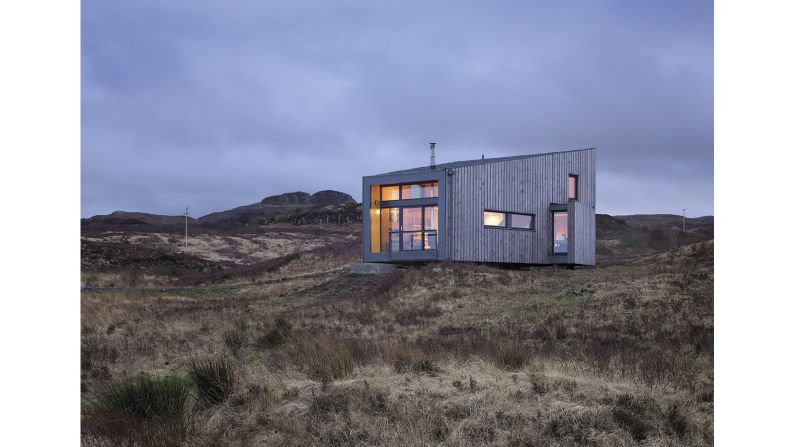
pixel 441 354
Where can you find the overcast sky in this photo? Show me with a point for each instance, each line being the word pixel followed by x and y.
pixel 216 104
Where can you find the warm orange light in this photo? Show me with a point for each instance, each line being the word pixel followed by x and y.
pixel 493 219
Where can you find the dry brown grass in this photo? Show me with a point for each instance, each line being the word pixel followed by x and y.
pixel 437 355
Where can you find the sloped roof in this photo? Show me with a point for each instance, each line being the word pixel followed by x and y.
pixel 479 161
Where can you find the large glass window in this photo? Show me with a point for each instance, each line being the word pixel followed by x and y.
pixel 523 221
pixel 390 193
pixel 493 219
pixel 430 190
pixel 572 186
pixel 412 228
pixel 404 228
pixel 431 226
pixel 560 232
pixel 390 229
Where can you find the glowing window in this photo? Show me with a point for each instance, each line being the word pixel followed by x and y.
pixel 493 219
pixel 390 193
pixel 560 232
pixel 430 190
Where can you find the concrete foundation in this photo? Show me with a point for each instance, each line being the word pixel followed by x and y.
pixel 371 268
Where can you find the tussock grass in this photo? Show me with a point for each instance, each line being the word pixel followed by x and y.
pixel 325 358
pixel 214 379
pixel 139 410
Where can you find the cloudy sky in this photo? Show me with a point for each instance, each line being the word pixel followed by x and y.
pixel 215 104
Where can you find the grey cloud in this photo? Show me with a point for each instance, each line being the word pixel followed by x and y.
pixel 218 104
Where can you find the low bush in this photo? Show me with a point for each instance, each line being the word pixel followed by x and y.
pixel 325 359
pixel 275 336
pixel 138 410
pixel 214 379
pixel 404 359
pixel 511 355
pixel 236 338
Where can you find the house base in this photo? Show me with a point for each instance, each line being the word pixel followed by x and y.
pixel 371 268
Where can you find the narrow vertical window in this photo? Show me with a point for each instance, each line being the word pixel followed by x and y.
pixel 390 229
pixel 431 227
pixel 573 187
pixel 375 219
pixel 560 232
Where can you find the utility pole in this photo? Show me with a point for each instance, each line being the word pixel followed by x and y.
pixel 683 219
pixel 186 227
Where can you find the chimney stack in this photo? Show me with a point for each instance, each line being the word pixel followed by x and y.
pixel 433 155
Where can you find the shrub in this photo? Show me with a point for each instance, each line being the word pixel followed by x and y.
pixel 139 411
pixel 389 282
pixel 677 421
pixel 405 359
pixel 635 414
pixel 275 336
pixel 144 397
pixel 511 356
pixel 214 379
pixel 326 359
pixel 324 406
pixel 236 338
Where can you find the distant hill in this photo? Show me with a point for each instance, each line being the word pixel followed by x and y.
pixel 667 221
pixel 298 207
pixel 641 234
pixel 617 236
pixel 135 218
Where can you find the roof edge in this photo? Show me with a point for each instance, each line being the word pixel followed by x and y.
pixel 477 161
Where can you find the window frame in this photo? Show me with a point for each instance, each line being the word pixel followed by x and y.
pixel 508 220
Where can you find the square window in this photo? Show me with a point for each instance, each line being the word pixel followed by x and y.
pixel 493 219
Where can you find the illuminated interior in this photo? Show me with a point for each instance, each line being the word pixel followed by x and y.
pixel 560 231
pixel 409 191
pixel 572 187
pixel 375 219
pixel 493 219
pixel 431 226
pixel 403 228
pixel 390 193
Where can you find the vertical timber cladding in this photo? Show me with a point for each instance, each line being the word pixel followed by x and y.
pixel 522 185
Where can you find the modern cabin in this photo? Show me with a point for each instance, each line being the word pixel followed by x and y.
pixel 526 209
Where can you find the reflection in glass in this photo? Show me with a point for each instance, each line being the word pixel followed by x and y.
pixel 493 219
pixel 560 232
pixel 525 221
pixel 573 187
pixel 410 192
pixel 430 189
pixel 412 228
pixel 390 225
pixel 431 227
pixel 390 193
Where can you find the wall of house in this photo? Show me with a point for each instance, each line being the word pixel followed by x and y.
pixel 584 227
pixel 524 185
